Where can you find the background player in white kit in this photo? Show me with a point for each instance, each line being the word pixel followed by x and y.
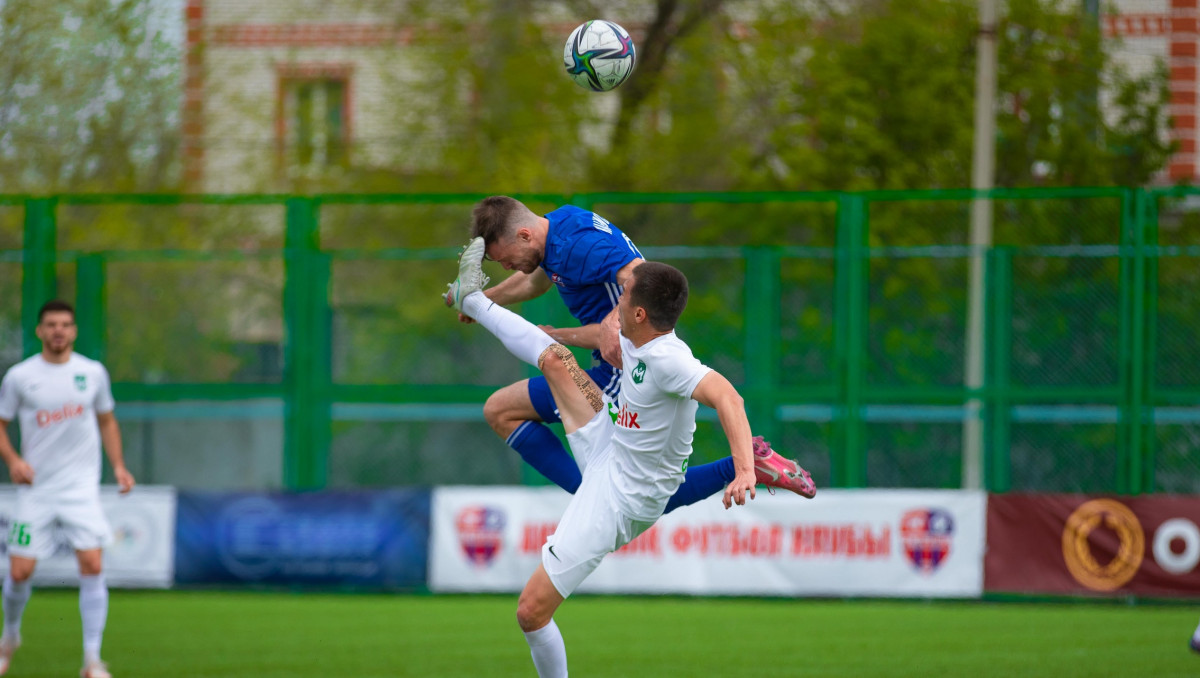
pixel 65 407
pixel 631 466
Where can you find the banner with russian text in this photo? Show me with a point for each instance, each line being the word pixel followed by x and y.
pixel 1080 544
pixel 842 543
pixel 142 552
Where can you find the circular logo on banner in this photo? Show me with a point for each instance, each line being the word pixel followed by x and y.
pixel 1078 553
pixel 1185 531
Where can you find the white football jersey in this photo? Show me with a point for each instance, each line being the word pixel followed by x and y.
pixel 57 407
pixel 655 423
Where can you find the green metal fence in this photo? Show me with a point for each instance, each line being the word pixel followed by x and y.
pixel 299 342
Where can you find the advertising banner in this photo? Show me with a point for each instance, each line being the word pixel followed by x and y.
pixel 1079 544
pixel 375 539
pixel 142 550
pixel 843 543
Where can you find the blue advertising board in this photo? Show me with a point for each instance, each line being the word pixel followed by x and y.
pixel 373 539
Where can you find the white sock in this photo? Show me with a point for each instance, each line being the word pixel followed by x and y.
pixel 1196 634
pixel 521 337
pixel 548 650
pixel 15 596
pixel 93 608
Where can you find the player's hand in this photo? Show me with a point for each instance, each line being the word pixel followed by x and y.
pixel 20 472
pixel 124 479
pixel 735 492
pixel 610 340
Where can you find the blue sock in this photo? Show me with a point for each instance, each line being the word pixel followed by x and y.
pixel 542 450
pixel 702 482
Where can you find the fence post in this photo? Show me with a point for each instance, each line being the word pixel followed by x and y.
pixel 38 284
pixel 849 462
pixel 761 336
pixel 91 306
pixel 306 350
pixel 1133 344
pixel 999 421
pixel 1146 216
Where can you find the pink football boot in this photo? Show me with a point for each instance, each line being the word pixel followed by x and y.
pixel 773 470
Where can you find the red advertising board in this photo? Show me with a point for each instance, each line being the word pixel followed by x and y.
pixel 1103 545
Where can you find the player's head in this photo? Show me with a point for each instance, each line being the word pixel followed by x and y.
pixel 656 296
pixel 56 326
pixel 510 233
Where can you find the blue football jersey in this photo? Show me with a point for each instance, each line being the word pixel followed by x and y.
pixel 583 254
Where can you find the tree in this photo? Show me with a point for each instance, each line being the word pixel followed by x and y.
pixel 88 96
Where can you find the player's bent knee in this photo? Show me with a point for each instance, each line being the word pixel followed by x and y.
pixel 531 616
pixel 91 562
pixel 558 363
pixel 494 410
pixel 21 568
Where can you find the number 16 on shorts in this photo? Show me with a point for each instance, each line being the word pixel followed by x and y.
pixel 18 534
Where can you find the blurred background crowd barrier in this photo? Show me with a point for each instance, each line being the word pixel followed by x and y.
pixel 266 342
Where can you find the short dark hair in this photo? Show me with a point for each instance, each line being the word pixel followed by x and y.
pixel 55 305
pixel 492 217
pixel 662 290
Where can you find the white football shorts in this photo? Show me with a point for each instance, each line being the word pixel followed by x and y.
pixel 32 533
pixel 592 526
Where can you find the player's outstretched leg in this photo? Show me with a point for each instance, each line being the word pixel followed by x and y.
pixel 773 470
pixel 701 482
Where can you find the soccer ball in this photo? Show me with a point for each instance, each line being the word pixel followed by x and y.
pixel 599 55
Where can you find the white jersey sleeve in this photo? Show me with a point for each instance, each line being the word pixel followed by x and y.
pixel 104 397
pixel 679 373
pixel 8 397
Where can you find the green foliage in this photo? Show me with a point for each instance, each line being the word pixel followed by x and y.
pixel 89 95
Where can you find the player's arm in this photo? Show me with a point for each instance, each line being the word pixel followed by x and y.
pixel 19 470
pixel 110 435
pixel 715 391
pixel 519 287
pixel 610 327
pixel 586 336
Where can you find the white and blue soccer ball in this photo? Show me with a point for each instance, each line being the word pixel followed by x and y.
pixel 599 55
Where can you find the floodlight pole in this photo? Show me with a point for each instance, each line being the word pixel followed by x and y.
pixel 982 178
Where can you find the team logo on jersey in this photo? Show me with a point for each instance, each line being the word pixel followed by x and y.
pixel 556 279
pixel 81 382
pixel 639 372
pixel 480 533
pixel 926 535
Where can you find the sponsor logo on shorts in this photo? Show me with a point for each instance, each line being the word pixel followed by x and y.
pixel 50 417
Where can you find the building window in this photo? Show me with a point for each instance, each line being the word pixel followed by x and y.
pixel 313 125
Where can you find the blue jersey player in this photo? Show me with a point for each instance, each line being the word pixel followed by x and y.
pixel 589 261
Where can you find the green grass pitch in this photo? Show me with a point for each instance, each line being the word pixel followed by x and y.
pixel 266 635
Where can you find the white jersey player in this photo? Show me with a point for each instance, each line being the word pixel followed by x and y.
pixel 632 462
pixel 64 406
